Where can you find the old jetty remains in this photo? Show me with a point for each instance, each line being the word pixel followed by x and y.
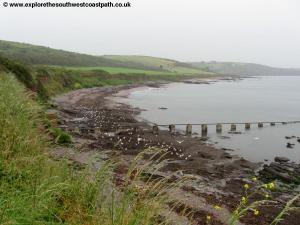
pixel 219 126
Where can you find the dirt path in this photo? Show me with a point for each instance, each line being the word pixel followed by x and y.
pixel 103 129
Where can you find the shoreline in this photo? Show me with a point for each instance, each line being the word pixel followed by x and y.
pixel 101 125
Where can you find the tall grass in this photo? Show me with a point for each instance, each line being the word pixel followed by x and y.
pixel 37 190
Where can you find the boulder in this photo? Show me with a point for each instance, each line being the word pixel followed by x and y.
pixel 282 169
pixel 290 145
pixel 281 159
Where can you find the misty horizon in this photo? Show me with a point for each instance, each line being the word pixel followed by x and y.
pixel 260 32
pixel 206 61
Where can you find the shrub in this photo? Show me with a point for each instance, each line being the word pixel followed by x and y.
pixel 77 86
pixel 61 137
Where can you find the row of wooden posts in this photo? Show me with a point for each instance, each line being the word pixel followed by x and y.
pixel 204 127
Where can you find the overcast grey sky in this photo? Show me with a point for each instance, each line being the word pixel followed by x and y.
pixel 259 31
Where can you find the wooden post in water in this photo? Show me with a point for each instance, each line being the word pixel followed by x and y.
pixel 233 127
pixel 272 124
pixel 219 128
pixel 172 128
pixel 204 130
pixel 155 129
pixel 247 126
pixel 188 130
pixel 260 125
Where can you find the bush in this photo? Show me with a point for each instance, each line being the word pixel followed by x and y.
pixel 60 136
pixel 20 71
pixel 77 86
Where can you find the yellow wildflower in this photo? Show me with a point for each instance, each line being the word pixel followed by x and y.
pixel 244 199
pixel 256 212
pixel 267 196
pixel 217 207
pixel 271 185
pixel 254 179
pixel 208 217
pixel 246 186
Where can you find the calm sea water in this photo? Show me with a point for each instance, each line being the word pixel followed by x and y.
pixel 252 99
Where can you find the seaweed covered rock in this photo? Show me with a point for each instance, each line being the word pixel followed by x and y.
pixel 281 169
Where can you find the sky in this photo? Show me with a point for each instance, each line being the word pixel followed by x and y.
pixel 257 31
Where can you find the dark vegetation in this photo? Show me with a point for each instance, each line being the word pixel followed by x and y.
pixel 21 72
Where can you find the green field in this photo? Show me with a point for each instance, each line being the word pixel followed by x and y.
pixel 144 60
pixel 160 64
pixel 120 70
pixel 123 70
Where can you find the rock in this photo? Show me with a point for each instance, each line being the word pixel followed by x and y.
pixel 290 145
pixel 298 140
pixel 234 132
pixel 225 137
pixel 282 169
pixel 228 149
pixel 162 108
pixel 281 159
pixel 122 132
pixel 287 137
pixel 204 139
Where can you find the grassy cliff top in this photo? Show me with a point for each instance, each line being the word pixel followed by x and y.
pixel 40 55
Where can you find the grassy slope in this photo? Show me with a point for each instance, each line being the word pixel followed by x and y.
pixel 32 54
pixel 244 69
pixel 36 190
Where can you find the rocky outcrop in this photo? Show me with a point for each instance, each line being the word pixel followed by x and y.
pixel 281 169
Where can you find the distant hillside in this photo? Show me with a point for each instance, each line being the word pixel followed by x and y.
pixel 244 69
pixel 32 54
pixel 39 55
pixel 157 63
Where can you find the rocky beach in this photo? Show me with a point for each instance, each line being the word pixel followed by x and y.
pixel 103 129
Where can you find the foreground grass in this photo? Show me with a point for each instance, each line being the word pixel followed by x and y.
pixel 37 190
